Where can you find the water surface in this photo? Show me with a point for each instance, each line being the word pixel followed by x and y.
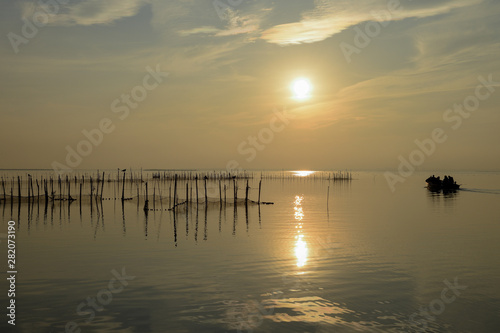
pixel 367 260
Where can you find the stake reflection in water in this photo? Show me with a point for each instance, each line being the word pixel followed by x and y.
pixel 301 249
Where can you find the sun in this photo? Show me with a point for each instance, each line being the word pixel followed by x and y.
pixel 301 88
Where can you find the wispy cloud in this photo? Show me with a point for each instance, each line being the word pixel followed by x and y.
pixel 237 25
pixel 199 30
pixel 240 24
pixel 89 12
pixel 331 17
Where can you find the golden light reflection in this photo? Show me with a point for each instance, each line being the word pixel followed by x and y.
pixel 303 173
pixel 301 250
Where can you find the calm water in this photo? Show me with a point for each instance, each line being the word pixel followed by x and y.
pixel 369 260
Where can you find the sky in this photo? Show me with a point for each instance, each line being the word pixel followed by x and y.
pixel 203 84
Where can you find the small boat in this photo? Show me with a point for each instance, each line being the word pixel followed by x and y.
pixel 447 184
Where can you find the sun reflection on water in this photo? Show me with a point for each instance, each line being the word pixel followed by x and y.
pixel 301 250
pixel 303 173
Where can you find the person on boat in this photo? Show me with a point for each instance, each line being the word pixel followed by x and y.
pixel 432 180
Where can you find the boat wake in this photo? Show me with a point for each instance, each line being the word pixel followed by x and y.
pixel 480 190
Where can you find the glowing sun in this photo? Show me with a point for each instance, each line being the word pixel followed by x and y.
pixel 301 88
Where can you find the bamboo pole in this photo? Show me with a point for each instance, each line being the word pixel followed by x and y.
pixel 146 202
pixel 91 189
pixel 246 193
pixel 196 180
pixel 32 191
pixel 159 193
pixel 19 188
pixel 260 187
pixel 327 196
pixel 175 191
pixel 220 193
pixel 206 197
pixel 235 190
pixel 29 190
pixel 123 187
pixel 102 185
pixel 3 187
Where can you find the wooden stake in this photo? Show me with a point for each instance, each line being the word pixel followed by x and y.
pixel 196 179
pixel 46 190
pixel 327 196
pixel 123 187
pixel 69 192
pixel 102 185
pixel 3 187
pixel 19 188
pixel 260 187
pixel 220 193
pixel 146 202
pixel 246 193
pixel 29 189
pixel 235 190
pixel 206 197
pixel 175 191
pixel 91 189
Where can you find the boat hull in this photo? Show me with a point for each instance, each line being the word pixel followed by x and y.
pixel 439 187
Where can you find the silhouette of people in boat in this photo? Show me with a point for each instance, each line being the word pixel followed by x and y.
pixel 448 183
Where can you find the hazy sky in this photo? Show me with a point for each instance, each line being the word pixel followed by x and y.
pixel 383 73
